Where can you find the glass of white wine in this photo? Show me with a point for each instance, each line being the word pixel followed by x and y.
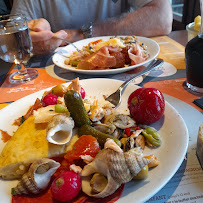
pixel 16 47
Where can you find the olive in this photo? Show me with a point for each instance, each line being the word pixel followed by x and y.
pixel 58 90
pixel 152 136
pixel 142 174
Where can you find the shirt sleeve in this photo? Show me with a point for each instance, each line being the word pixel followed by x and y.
pixel 137 4
pixel 28 8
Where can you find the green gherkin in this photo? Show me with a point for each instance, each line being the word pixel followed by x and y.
pixel 101 137
pixel 75 106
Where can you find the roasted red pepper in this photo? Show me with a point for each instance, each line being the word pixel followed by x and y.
pixel 85 145
pixel 129 131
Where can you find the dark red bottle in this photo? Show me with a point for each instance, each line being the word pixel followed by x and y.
pixel 194 60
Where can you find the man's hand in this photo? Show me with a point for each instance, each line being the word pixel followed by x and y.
pixel 74 35
pixel 43 39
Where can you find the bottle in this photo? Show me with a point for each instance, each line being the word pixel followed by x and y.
pixel 194 60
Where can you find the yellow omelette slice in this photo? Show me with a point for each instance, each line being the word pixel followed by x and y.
pixel 26 145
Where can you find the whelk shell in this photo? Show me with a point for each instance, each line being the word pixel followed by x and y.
pixel 37 178
pixel 59 129
pixel 117 167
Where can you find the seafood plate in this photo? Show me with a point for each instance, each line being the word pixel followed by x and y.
pixel 171 127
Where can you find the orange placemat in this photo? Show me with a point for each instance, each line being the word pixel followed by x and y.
pixel 174 88
pixel 11 92
pixel 3 105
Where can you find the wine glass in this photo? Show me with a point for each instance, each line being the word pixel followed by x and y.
pixel 16 46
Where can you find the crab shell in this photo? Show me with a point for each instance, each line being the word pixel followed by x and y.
pixel 118 167
pixel 59 129
pixel 37 178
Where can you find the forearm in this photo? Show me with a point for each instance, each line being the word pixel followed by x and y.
pixel 153 19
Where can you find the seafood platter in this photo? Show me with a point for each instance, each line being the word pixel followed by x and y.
pixel 68 144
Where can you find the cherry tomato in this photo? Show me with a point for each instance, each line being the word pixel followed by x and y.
pixel 66 186
pixel 86 145
pixel 146 105
pixel 49 99
pixel 129 131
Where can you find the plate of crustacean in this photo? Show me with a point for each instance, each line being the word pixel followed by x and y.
pixel 41 130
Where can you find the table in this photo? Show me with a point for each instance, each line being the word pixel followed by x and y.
pixel 179 36
pixel 169 79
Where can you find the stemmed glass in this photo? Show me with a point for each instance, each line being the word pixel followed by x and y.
pixel 16 46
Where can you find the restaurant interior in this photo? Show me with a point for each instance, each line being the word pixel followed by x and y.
pixel 136 128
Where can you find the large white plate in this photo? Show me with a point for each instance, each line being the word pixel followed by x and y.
pixel 171 128
pixel 58 58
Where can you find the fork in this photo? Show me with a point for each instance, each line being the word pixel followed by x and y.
pixel 115 98
pixel 67 42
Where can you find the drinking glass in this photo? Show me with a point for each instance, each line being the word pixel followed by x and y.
pixel 16 47
pixel 194 60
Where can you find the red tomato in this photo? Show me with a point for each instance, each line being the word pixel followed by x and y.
pixel 66 186
pixel 146 105
pixel 49 99
pixel 86 145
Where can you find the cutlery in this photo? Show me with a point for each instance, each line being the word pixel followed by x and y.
pixel 115 98
pixel 67 42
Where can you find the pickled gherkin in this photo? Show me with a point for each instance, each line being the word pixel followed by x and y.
pixel 101 137
pixel 75 106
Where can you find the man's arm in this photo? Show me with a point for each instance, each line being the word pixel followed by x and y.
pixel 153 19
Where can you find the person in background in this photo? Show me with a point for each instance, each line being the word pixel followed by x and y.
pixel 3 8
pixel 78 19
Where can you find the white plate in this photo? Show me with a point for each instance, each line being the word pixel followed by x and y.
pixel 171 128
pixel 58 58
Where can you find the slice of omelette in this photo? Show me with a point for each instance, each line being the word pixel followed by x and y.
pixel 26 145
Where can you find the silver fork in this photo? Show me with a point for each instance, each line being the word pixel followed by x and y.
pixel 115 98
pixel 67 42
